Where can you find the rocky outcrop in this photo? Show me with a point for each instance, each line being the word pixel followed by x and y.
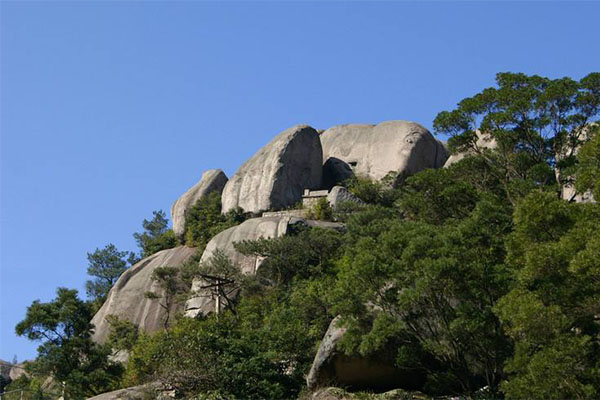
pixel 148 391
pixel 339 194
pixel 484 141
pixel 10 371
pixel 127 298
pixel 276 176
pixel 399 147
pixel 331 366
pixel 335 171
pixel 213 180
pixel 252 229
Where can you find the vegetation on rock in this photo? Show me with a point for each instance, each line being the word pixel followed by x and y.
pixel 156 235
pixel 473 276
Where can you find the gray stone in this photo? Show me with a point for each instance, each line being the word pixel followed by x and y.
pixel 335 171
pixel 401 148
pixel 148 391
pixel 11 372
pixel 339 194
pixel 252 229
pixel 213 180
pixel 126 299
pixel 331 366
pixel 484 141
pixel 276 176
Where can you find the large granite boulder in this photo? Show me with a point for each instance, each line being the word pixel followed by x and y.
pixel 484 141
pixel 332 367
pixel 213 180
pixel 399 147
pixel 252 229
pixel 275 177
pixel 127 298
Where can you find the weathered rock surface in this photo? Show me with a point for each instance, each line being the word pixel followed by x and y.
pixel 213 180
pixel 252 229
pixel 148 391
pixel 126 298
pixel 331 366
pixel 276 176
pixel 339 194
pixel 10 371
pixel 335 171
pixel 483 142
pixel 373 151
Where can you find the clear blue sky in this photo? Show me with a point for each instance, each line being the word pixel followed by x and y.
pixel 110 110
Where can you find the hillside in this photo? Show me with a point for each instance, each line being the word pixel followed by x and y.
pixel 360 259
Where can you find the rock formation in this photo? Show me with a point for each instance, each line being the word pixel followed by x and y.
pixel 483 142
pixel 252 229
pixel 335 171
pixel 276 176
pixel 339 194
pixel 373 151
pixel 213 180
pixel 126 299
pixel 331 366
pixel 148 391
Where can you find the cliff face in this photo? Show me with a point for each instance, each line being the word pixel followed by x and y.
pixel 127 300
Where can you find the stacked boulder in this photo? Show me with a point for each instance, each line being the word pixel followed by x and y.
pixel 275 177
pixel 213 180
pixel 394 148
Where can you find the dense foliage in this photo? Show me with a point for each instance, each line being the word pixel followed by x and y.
pixel 66 352
pixel 105 266
pixel 156 235
pixel 477 278
pixel 204 220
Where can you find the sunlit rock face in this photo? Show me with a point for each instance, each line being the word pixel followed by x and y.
pixel 275 177
pixel 127 298
pixel 399 148
pixel 201 301
pixel 213 180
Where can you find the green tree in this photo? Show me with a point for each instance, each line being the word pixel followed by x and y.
pixel 67 352
pixel 321 210
pixel 105 266
pixel 537 122
pixel 551 311
pixel 204 220
pixel 122 335
pixel 171 287
pixel 156 236
pixel 221 280
pixel 425 294
pixel 588 168
pixel 213 357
